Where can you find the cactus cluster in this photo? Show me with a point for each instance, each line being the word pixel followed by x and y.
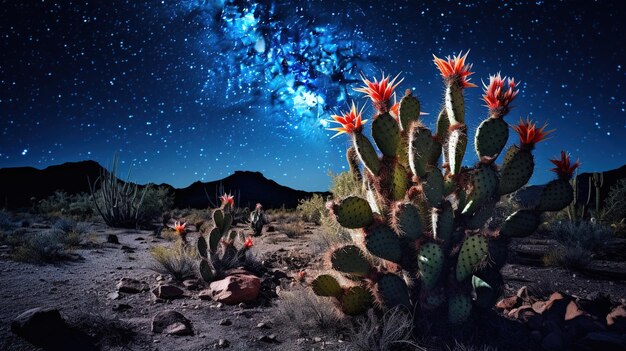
pixel 422 223
pixel 217 249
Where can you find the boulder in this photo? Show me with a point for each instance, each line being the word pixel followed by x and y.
pixel 131 286
pixel 45 328
pixel 234 289
pixel 167 292
pixel 171 322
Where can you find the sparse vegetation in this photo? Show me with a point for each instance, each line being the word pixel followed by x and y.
pixel 78 206
pixel 291 229
pixel 392 331
pixel 572 257
pixel 589 235
pixel 312 209
pixel 179 261
pixel 308 313
pixel 345 184
pixel 615 203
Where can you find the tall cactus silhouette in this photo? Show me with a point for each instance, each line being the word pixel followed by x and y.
pixel 424 243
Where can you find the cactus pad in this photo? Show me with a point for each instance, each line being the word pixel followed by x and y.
pixel 353 212
pixel 366 152
pixel 455 104
pixel 420 146
pixel 473 251
pixel 206 271
pixel 214 239
pixel 406 221
pixel 491 137
pixel 218 218
pixel 382 241
pixel 203 247
pixel 484 185
pixel 350 260
pixel 459 309
pixel 457 143
pixel 356 300
pixel 399 182
pixel 433 187
pixel 480 217
pixel 556 195
pixel 430 263
pixel 517 169
pixel 393 291
pixel 443 222
pixel 386 134
pixel 326 285
pixel 409 110
pixel 521 223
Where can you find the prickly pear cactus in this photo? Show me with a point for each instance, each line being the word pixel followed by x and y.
pixel 424 242
pixel 217 248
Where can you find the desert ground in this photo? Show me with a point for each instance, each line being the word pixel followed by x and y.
pixel 84 289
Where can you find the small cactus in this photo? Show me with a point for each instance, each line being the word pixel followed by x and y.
pixel 422 223
pixel 258 219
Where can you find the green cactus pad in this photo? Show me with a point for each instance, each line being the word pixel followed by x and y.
pixel 386 134
pixel 484 290
pixel 218 218
pixel 203 247
pixel 372 200
pixel 206 271
pixel 393 291
pixel 406 221
pixel 457 143
pixel 420 146
pixel 433 187
pixel 556 195
pixel 382 241
pixel 409 110
pixel 473 251
pixel 326 285
pixel 480 217
pixel 430 262
pixel 356 300
pixel 443 222
pixel 491 137
pixel 443 124
pixel 517 168
pixel 521 223
pixel 484 186
pixel 353 212
pixel 455 104
pixel 434 154
pixel 459 309
pixel 366 152
pixel 434 300
pixel 399 182
pixel 350 260
pixel 214 239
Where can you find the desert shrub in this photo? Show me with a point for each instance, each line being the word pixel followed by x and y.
pixel 312 209
pixel 41 247
pixel 291 229
pixel 282 215
pixel 70 232
pixel 586 234
pixel 156 200
pixel 60 203
pixel 345 184
pixel 308 313
pixel 6 221
pixel 572 257
pixel 462 347
pixel 391 332
pixel 615 203
pixel 179 261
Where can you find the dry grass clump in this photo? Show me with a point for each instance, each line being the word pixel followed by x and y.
pixel 392 331
pixel 312 209
pixel 282 215
pixel 179 261
pixel 291 229
pixel 308 313
pixel 571 257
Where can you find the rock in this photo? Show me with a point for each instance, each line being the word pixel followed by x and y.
pixel 522 313
pixel 541 306
pixel 167 292
pixel 46 328
pixel 112 239
pixel 263 326
pixel 234 289
pixel 191 284
pixel 317 339
pixel 121 307
pixel 553 341
pixel 205 295
pixel 616 319
pixel 270 229
pixel 572 310
pixel 605 341
pixel 269 338
pixel 279 274
pixel 509 303
pixel 222 343
pixel 113 296
pixel 131 286
pixel 225 322
pixel 171 322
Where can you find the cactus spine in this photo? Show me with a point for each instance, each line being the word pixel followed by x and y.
pixel 422 223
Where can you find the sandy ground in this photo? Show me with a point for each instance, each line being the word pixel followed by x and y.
pixel 81 288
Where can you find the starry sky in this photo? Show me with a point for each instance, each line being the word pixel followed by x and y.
pixel 194 90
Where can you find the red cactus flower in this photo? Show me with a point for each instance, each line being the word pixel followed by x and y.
pixel 454 70
pixel 350 122
pixel 180 228
pixel 529 135
pixel 258 206
pixel 248 243
pixel 228 199
pixel 395 110
pixel 301 275
pixel 496 97
pixel 379 92
pixel 564 168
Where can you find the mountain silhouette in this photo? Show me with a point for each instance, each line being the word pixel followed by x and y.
pixel 20 186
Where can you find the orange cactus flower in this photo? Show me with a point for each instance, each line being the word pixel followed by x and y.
pixel 180 228
pixel 395 110
pixel 228 199
pixel 497 97
pixel 379 92
pixel 248 243
pixel 564 168
pixel 351 122
pixel 301 275
pixel 529 134
pixel 454 70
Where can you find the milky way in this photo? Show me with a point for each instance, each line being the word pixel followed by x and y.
pixel 194 90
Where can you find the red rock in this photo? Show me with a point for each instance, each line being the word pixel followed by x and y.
pixel 541 306
pixel 234 289
pixel 508 303
pixel 523 313
pixel 168 292
pixel 573 310
pixel 616 319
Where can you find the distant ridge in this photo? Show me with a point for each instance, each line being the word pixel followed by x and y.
pixel 18 185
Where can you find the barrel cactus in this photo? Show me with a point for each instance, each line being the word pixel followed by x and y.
pixel 424 242
pixel 217 249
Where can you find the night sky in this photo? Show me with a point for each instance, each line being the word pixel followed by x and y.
pixel 194 90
